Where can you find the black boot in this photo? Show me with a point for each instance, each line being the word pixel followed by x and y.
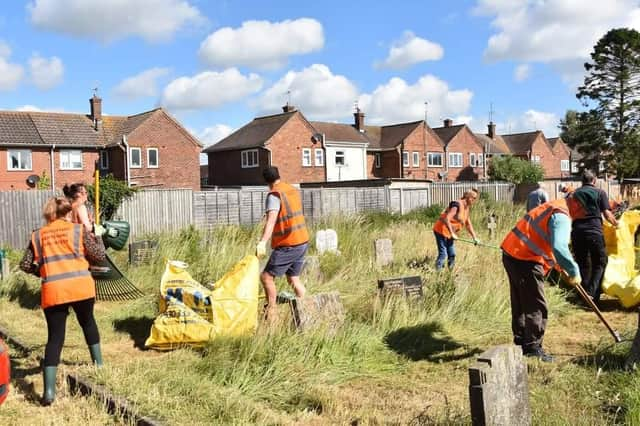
pixel 49 379
pixel 96 354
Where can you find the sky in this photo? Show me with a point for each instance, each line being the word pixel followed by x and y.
pixel 215 65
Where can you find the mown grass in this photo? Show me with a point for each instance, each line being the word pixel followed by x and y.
pixel 396 362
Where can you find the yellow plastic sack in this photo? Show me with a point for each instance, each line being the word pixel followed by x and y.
pixel 621 279
pixel 191 314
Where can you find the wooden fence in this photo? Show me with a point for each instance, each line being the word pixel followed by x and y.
pixel 168 210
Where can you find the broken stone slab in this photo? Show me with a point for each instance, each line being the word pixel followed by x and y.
pixel 327 241
pixel 384 251
pixel 499 388
pixel 409 287
pixel 318 310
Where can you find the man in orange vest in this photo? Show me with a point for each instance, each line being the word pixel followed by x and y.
pixel 538 243
pixel 286 228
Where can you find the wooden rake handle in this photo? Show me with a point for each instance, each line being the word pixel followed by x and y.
pixel 594 307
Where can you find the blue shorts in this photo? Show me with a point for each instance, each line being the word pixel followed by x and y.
pixel 286 260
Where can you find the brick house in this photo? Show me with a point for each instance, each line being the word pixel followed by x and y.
pixel 147 150
pixel 464 153
pixel 563 155
pixel 534 147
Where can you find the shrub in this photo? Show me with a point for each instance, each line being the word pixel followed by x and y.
pixel 112 192
pixel 516 170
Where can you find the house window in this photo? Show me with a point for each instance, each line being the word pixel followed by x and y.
pixel 455 159
pixel 135 158
pixel 405 158
pixel 339 158
pixel 19 159
pixel 319 157
pixel 104 160
pixel 416 159
pixel 564 165
pixel 378 160
pixel 479 160
pixel 249 158
pixel 535 159
pixel 152 158
pixel 574 167
pixel 306 157
pixel 434 159
pixel 70 159
pixel 472 159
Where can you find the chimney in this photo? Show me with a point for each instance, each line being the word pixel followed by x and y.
pixel 359 120
pixel 96 110
pixel 491 132
pixel 288 108
pixel 448 122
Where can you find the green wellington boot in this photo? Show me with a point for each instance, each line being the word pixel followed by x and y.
pixel 49 378
pixel 96 354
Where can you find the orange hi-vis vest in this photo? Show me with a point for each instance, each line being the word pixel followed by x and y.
pixel 530 239
pixel 457 222
pixel 59 252
pixel 290 229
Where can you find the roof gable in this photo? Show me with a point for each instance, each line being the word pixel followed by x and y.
pixel 521 143
pixel 496 145
pixel 339 132
pixel 447 133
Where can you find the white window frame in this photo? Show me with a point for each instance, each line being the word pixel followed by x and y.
pixel 535 159
pixel 457 155
pixel 131 165
pixel 246 158
pixel 104 159
pixel 66 155
pixel 480 159
pixel 472 159
pixel 377 159
pixel 340 154
pixel 415 159
pixel 149 165
pixel 319 156
pixel 431 156
pixel 565 165
pixel 405 158
pixel 20 152
pixel 574 167
pixel 306 157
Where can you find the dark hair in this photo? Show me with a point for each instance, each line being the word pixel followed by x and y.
pixel 72 191
pixel 56 208
pixel 271 174
pixel 588 177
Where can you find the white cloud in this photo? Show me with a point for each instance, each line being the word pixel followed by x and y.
pixel 397 101
pixel 153 20
pixel 212 135
pixel 140 85
pixel 29 108
pixel 10 74
pixel 315 90
pixel 209 89
pixel 522 72
pixel 261 44
pixel 559 32
pixel 411 50
pixel 529 121
pixel 46 73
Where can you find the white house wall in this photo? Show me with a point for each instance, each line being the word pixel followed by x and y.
pixel 355 166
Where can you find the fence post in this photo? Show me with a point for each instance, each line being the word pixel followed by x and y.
pixel 401 201
pixel 495 185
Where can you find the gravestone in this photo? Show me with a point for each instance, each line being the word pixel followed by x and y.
pixel 324 309
pixel 327 241
pixel 141 252
pixel 384 251
pixel 499 389
pixel 410 287
pixel 491 225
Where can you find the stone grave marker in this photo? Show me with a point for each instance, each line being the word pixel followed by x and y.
pixel 499 388
pixel 384 251
pixel 491 225
pixel 410 287
pixel 327 240
pixel 141 252
pixel 324 309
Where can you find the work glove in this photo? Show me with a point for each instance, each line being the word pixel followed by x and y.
pixel 573 281
pixel 99 230
pixel 261 249
pixel 454 236
pixel 476 241
pixel 112 232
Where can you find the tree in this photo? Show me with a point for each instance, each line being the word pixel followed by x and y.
pixel 612 82
pixel 516 170
pixel 112 193
pixel 586 132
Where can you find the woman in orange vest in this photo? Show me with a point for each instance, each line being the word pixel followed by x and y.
pixel 59 253
pixel 77 195
pixel 451 221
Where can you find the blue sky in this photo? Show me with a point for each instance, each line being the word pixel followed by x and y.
pixel 216 65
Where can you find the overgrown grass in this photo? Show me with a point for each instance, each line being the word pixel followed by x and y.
pixel 393 362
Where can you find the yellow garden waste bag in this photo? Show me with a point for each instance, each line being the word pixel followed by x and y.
pixel 178 326
pixel 191 314
pixel 621 279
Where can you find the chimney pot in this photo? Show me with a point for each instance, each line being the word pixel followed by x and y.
pixel 491 130
pixel 448 122
pixel 288 108
pixel 96 110
pixel 359 120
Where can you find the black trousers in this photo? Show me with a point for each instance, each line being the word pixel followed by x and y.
pixel 57 326
pixel 528 305
pixel 591 257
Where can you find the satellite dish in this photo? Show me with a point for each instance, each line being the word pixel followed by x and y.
pixel 441 175
pixel 317 137
pixel 33 180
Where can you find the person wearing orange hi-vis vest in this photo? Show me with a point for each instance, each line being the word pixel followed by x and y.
pixel 59 253
pixel 285 226
pixel 538 243
pixel 450 222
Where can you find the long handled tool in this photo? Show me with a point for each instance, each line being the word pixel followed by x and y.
pixel 464 240
pixel 594 307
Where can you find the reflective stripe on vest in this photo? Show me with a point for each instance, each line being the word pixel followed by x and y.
pixel 533 246
pixel 65 276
